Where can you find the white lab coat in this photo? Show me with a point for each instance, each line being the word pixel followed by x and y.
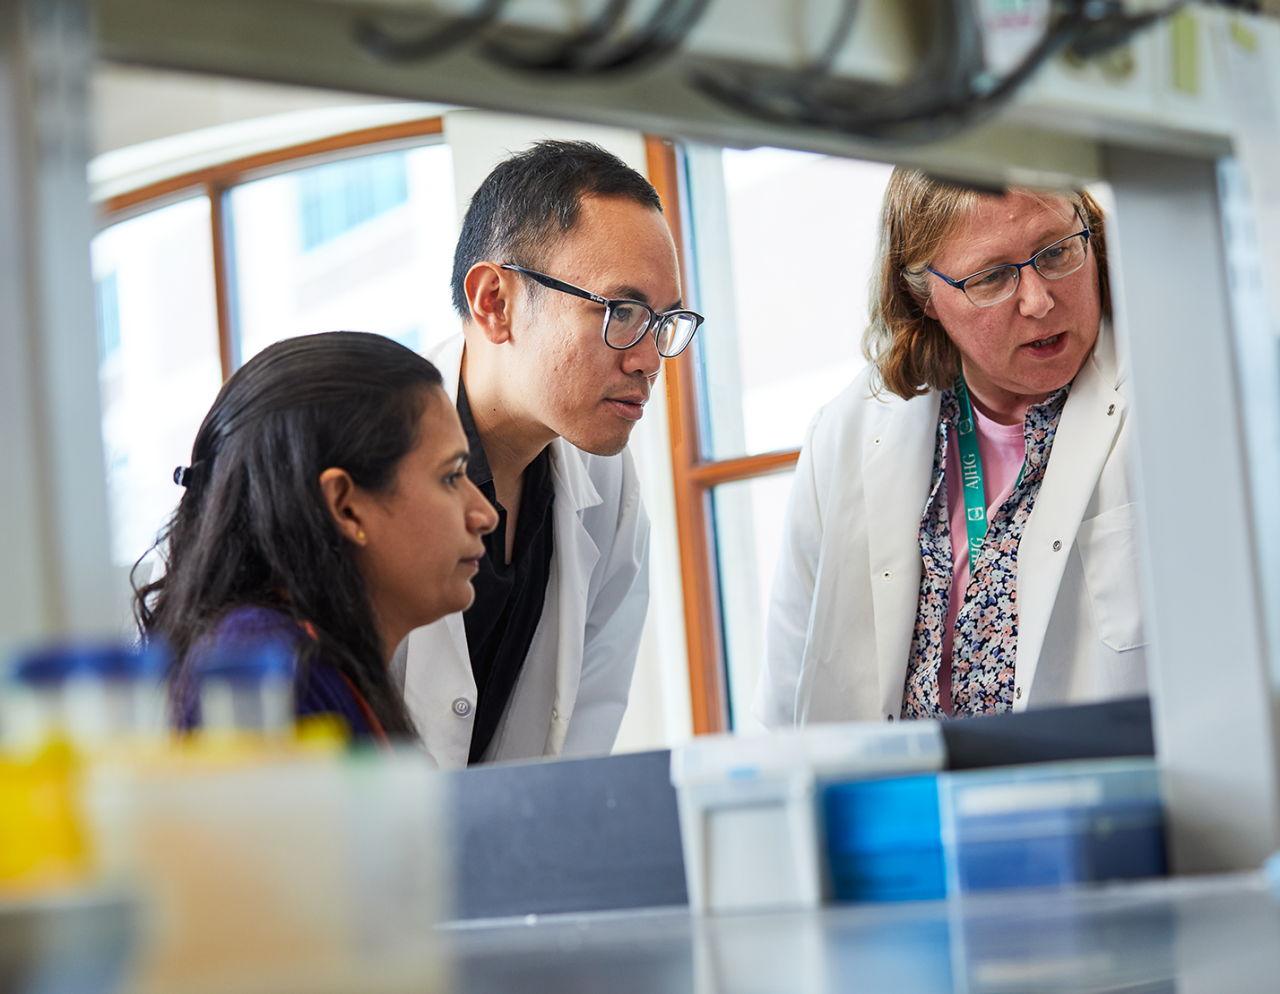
pixel 847 586
pixel 572 690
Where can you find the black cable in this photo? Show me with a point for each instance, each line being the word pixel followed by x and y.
pixel 950 92
pixel 838 38
pixel 953 57
pixel 381 45
pixel 565 55
pixel 589 52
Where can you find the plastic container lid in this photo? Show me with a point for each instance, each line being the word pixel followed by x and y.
pixel 248 662
pixel 106 661
pixel 852 749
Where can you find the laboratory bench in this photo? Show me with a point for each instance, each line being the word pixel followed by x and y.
pixel 1218 934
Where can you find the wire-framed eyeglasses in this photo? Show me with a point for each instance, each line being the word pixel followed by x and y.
pixel 626 321
pixel 990 286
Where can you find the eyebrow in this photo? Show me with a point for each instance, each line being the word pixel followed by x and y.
pixel 1045 239
pixel 635 293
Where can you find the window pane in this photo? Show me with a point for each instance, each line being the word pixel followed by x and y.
pixel 748 522
pixel 784 248
pixel 364 244
pixel 159 368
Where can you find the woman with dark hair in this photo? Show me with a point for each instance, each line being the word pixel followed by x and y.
pixel 327 506
pixel 961 534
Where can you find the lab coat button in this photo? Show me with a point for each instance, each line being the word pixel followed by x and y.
pixel 462 707
pixel 1057 546
pixel 1018 693
pixel 877 440
pixel 887 575
pixel 555 715
pixel 1111 409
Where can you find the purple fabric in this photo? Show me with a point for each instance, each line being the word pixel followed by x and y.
pixel 321 690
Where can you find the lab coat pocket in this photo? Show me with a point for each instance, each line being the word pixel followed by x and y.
pixel 1108 547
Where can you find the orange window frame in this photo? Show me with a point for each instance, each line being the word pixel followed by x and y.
pixel 215 181
pixel 695 478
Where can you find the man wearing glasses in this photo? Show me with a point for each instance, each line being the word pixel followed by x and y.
pixel 566 279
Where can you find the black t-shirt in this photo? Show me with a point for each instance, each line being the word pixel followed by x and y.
pixel 509 596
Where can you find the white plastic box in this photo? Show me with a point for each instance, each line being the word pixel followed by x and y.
pixel 749 823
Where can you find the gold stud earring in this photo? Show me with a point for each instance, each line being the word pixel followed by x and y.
pixel 360 535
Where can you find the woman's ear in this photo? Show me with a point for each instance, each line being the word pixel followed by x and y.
pixel 343 498
pixel 489 293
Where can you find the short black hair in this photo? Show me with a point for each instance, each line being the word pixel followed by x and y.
pixel 534 195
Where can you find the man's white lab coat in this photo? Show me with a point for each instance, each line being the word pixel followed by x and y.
pixel 847 587
pixel 572 690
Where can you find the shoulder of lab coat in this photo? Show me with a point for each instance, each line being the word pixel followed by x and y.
pixel 856 499
pixel 573 686
pixel 846 592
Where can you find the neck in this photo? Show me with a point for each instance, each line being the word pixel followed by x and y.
pixel 511 439
pixel 392 635
pixel 1001 406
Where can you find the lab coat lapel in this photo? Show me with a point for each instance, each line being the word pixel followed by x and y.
pixel 897 468
pixel 1085 435
pixel 440 683
pixel 575 558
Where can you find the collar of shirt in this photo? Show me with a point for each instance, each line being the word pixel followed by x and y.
pixel 478 463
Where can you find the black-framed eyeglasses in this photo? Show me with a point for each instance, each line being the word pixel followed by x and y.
pixel 627 321
pixel 990 286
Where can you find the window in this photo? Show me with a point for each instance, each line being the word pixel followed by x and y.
pixel 159 366
pixel 198 273
pixel 343 195
pixel 778 251
pixel 365 244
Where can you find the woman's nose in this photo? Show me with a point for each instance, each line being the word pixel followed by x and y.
pixel 1034 298
pixel 482 518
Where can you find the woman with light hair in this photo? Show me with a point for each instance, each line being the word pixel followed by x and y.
pixel 961 533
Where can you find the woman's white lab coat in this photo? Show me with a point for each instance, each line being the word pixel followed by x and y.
pixel 847 586
pixel 572 690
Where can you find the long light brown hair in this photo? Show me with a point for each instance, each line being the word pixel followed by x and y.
pixel 911 351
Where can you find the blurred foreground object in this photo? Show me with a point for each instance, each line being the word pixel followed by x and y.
pixel 279 873
pixel 265 856
pixel 65 944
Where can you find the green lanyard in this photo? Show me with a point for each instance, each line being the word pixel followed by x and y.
pixel 975 499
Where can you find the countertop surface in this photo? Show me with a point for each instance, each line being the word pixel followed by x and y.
pixel 1189 935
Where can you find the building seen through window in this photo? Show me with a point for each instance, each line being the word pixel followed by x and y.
pixel 364 243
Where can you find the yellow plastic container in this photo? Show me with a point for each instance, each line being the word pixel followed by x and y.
pixel 42 839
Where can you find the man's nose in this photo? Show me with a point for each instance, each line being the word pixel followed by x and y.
pixel 643 356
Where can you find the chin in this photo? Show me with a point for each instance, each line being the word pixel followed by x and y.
pixel 600 445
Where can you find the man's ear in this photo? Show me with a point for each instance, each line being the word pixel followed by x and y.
pixel 343 498
pixel 490 293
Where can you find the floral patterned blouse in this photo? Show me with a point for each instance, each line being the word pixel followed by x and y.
pixel 985 641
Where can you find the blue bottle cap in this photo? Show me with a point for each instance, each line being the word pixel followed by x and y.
pixel 104 660
pixel 248 661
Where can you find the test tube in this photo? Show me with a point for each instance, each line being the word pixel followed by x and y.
pixel 246 688
pixel 92 694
